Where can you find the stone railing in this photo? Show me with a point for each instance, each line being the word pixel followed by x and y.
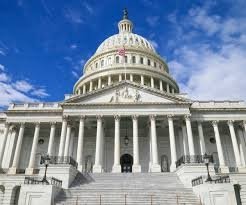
pixel 61 160
pixel 192 159
pixel 218 104
pixel 31 106
pixel 202 180
pixel 50 180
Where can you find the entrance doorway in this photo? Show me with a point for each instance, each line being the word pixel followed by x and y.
pixel 126 162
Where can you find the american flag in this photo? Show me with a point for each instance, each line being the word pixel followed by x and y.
pixel 122 51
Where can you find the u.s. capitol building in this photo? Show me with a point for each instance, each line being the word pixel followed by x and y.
pixel 126 135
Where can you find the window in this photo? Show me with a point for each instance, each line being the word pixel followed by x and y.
pixel 141 60
pixel 133 59
pixel 155 64
pixel 102 63
pixel 148 61
pixel 96 65
pixel 117 59
pixel 125 59
pixel 109 61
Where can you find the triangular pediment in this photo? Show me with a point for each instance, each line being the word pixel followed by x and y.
pixel 126 92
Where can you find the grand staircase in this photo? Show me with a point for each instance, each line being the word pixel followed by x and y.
pixel 127 189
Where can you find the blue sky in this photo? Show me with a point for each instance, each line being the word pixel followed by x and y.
pixel 44 44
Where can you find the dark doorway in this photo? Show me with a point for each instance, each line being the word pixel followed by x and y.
pixel 126 162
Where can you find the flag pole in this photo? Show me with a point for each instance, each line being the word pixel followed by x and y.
pixel 125 62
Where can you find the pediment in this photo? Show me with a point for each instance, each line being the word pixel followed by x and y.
pixel 126 93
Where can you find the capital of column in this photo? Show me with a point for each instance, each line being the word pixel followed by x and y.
pixel 37 124
pixel 152 117
pixel 82 117
pixel 230 122
pixel 187 117
pixel 13 128
pixel 52 123
pixel 134 117
pixel 117 117
pixel 65 117
pixel 215 123
pixel 170 116
pixel 244 122
pixel 99 117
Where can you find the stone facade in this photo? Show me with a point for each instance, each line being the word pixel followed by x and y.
pixel 123 108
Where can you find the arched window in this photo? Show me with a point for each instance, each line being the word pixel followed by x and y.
pixel 117 59
pixel 102 63
pixel 155 64
pixel 133 59
pixel 141 60
pixel 148 61
pixel 109 61
pixel 96 65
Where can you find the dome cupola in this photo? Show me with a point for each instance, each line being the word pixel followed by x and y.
pixel 125 25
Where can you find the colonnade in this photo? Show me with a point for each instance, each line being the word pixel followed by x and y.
pixel 188 143
pixel 151 81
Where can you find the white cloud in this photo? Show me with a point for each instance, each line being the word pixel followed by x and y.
pixel 74 16
pixel 152 20
pixel 2 53
pixel 40 92
pixel 211 69
pixel 89 8
pixel 73 46
pixel 75 74
pixel 18 91
pixel 23 86
pixel 2 67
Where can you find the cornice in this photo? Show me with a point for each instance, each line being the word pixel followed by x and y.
pixel 122 83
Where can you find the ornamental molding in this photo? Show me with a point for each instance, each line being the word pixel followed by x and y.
pixel 170 96
pixel 124 95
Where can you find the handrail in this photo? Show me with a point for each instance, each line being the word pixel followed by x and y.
pixel 200 180
pixel 192 159
pixel 60 160
pixel 51 181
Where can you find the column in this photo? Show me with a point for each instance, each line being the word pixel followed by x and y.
pixel 99 84
pixel 81 143
pixel 120 77
pixel 31 166
pixel 116 166
pixel 63 136
pixel 2 148
pixel 109 80
pixel 67 142
pixel 185 140
pixel 223 168
pixel 161 85
pixel 84 89
pixel 79 91
pixel 242 146
pixel 234 143
pixel 136 166
pixel 168 89
pixel 91 86
pixel 155 166
pixel 173 90
pixel 97 168
pixel 150 148
pixel 152 82
pixel 172 144
pixel 142 80
pixel 52 139
pixel 131 77
pixel 189 135
pixel 15 163
pixel 201 138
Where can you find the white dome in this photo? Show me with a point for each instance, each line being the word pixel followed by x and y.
pixel 125 39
